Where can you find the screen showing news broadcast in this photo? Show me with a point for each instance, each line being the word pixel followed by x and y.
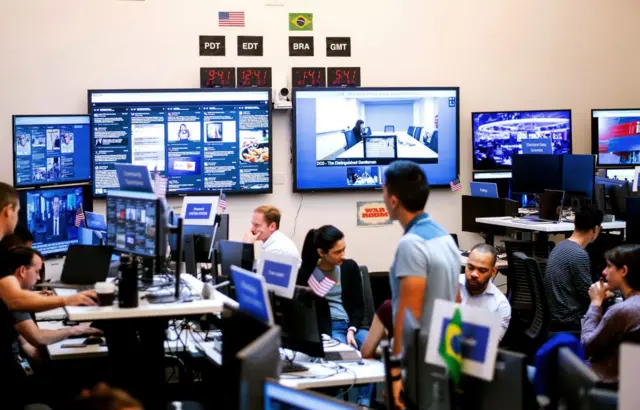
pixel 50 215
pixel 616 136
pixel 201 140
pixel 498 136
pixel 51 149
pixel 345 138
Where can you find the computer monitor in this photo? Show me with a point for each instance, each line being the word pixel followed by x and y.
pixel 327 157
pixel 578 175
pixel 202 140
pixel 235 253
pixel 532 174
pixel 132 223
pixel 614 136
pixel 574 378
pixel 499 137
pixel 299 323
pixel 279 397
pixel 633 219
pixel 601 399
pixel 551 205
pixel 50 214
pixel 618 194
pixel 51 149
pixel 202 236
pixel 259 361
pixel 621 174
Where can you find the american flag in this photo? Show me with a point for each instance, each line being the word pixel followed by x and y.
pixel 160 184
pixel 455 185
pixel 320 284
pixel 222 203
pixel 231 19
pixel 79 217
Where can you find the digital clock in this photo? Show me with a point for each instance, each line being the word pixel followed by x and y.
pixel 254 77
pixel 343 76
pixel 308 77
pixel 217 77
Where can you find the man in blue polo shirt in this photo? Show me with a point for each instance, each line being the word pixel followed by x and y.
pixel 427 261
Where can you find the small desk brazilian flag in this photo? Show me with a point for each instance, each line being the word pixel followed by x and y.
pixel 451 346
pixel 300 21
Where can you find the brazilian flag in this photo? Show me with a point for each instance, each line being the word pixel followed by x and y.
pixel 451 346
pixel 300 21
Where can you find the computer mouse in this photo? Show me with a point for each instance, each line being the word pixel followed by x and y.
pixel 93 340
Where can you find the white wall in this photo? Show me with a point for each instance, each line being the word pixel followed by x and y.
pixel 503 54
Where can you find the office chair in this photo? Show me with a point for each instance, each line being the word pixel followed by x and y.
pixel 389 128
pixel 369 310
pixel 350 138
pixel 455 238
pixel 418 133
pixel 411 130
pixel 380 288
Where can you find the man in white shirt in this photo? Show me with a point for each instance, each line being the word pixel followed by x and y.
pixel 265 226
pixel 477 288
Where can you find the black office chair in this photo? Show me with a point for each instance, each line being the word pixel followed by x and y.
pixel 455 238
pixel 350 138
pixel 380 288
pixel 418 133
pixel 389 128
pixel 369 310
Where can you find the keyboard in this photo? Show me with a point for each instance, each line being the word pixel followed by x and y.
pixel 292 367
pixel 342 356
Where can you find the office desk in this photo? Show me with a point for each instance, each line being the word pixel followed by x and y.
pixel 545 227
pixel 406 147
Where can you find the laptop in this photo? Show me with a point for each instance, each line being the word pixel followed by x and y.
pixel 484 189
pixel 83 267
pixel 96 221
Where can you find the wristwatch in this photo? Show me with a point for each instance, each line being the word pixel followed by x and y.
pixel 353 329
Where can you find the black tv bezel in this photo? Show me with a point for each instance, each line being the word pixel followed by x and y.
pixel 49 184
pixel 268 190
pixel 87 200
pixel 505 167
pixel 294 147
pixel 595 146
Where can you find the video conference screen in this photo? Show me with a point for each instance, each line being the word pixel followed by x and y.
pixel 616 136
pixel 51 149
pixel 131 222
pixel 345 138
pixel 498 136
pixel 201 140
pixel 50 215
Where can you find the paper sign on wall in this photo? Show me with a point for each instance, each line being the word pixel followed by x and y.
pixel 372 214
pixel 300 46
pixel 250 46
pixel 212 45
pixel 480 336
pixel 280 272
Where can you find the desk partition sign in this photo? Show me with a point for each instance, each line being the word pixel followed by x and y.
pixel 251 294
pixel 372 214
pixel 536 146
pixel 478 337
pixel 134 178
pixel 199 210
pixel 280 272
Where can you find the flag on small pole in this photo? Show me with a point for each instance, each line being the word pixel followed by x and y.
pixel 160 184
pixel 456 185
pixel 451 346
pixel 222 203
pixel 79 217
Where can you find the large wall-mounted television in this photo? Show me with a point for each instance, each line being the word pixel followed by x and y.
pixel 498 136
pixel 345 138
pixel 51 150
pixel 202 140
pixel 50 215
pixel 615 137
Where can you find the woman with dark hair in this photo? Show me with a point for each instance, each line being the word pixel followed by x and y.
pixel 357 130
pixel 603 334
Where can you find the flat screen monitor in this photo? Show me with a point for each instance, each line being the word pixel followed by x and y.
pixel 279 397
pixel 578 175
pixel 574 379
pixel 333 152
pixel 298 322
pixel 615 136
pixel 202 140
pixel 499 136
pixel 633 219
pixel 132 223
pixel 51 149
pixel 621 174
pixel 50 215
pixel 532 174
pixel 259 361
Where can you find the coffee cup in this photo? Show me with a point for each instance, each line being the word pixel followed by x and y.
pixel 106 292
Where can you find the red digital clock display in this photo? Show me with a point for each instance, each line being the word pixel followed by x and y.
pixel 217 77
pixel 344 76
pixel 308 77
pixel 254 77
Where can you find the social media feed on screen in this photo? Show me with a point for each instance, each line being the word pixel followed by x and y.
pixel 616 136
pixel 201 140
pixel 50 214
pixel 50 150
pixel 131 223
pixel 346 138
pixel 498 136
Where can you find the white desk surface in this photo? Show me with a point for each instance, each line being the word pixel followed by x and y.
pixel 406 147
pixel 53 314
pixel 521 224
